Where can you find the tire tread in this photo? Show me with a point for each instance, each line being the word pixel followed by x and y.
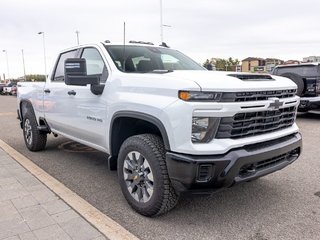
pixel 39 140
pixel 169 198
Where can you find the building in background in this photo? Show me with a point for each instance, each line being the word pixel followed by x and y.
pixel 312 59
pixel 292 62
pixel 272 62
pixel 253 64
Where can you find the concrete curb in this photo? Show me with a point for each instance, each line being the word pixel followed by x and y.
pixel 100 221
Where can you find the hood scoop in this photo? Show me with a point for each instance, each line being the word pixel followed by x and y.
pixel 252 77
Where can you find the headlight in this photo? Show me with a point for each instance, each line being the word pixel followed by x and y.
pixel 200 96
pixel 204 129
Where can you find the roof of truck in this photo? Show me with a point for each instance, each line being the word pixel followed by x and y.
pixel 299 64
pixel 130 43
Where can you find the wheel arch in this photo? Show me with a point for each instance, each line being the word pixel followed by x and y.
pixel 148 122
pixel 23 106
pixel 298 80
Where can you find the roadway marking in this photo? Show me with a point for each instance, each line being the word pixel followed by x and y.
pixel 7 114
pixel 100 221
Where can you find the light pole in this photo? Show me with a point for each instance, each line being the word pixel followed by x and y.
pixel 5 51
pixel 24 68
pixel 161 23
pixel 44 53
pixel 77 32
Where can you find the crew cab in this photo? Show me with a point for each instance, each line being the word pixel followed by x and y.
pixel 166 124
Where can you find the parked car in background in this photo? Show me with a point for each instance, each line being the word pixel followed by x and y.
pixel 1 88
pixel 13 90
pixel 10 89
pixel 307 78
pixel 7 88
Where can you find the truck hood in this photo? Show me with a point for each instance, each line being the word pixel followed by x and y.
pixel 233 81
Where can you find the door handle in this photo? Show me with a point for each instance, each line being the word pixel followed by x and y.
pixel 47 90
pixel 72 92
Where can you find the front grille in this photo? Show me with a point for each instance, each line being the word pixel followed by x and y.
pixel 257 95
pixel 255 123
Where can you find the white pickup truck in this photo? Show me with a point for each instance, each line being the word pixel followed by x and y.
pixel 166 124
pixel 7 89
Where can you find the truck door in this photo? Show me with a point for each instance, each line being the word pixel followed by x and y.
pixel 78 113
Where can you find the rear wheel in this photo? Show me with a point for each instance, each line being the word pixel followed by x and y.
pixel 144 177
pixel 33 138
pixel 297 80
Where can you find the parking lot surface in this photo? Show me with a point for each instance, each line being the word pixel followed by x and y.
pixel 283 205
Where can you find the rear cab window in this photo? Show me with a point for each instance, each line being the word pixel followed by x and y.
pixel 301 70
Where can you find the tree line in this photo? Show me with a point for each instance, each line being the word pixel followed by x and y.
pixel 221 64
pixel 35 78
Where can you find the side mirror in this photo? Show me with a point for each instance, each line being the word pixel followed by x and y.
pixel 75 73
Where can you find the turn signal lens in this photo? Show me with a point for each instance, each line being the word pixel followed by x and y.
pixel 200 96
pixel 184 95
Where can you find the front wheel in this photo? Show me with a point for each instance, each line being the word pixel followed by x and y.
pixel 144 177
pixel 33 138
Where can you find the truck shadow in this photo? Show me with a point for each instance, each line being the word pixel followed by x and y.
pixel 239 209
pixel 236 202
pixel 246 199
pixel 85 172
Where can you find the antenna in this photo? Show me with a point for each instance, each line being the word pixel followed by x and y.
pixel 124 46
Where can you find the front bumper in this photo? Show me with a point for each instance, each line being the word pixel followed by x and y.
pixel 204 174
pixel 309 103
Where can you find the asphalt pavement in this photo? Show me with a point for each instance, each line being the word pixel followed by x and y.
pixel 283 205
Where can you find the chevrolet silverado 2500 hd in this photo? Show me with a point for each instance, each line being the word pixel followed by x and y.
pixel 167 124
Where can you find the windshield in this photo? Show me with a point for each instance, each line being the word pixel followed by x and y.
pixel 144 59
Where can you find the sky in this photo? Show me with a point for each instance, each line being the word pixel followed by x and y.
pixel 202 29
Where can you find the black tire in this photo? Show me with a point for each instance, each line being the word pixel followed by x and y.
pixel 33 138
pixel 163 197
pixel 297 80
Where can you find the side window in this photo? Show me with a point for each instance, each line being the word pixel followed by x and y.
pixel 95 63
pixel 59 72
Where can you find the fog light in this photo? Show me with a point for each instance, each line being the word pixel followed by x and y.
pixel 205 172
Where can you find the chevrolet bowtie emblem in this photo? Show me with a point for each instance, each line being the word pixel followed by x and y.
pixel 276 104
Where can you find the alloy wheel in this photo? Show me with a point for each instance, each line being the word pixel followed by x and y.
pixel 138 176
pixel 28 131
